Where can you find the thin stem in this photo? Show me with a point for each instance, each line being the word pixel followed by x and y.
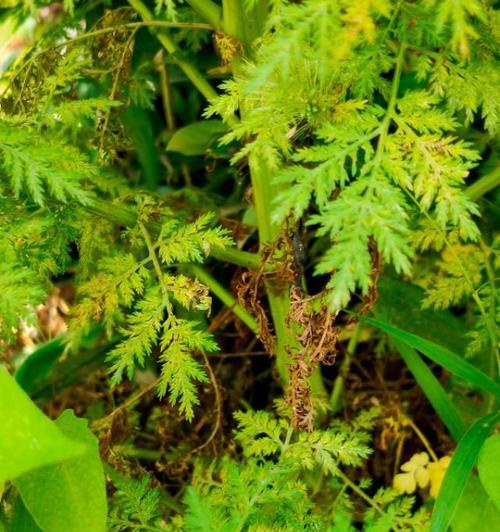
pixel 493 305
pixel 288 439
pixel 484 184
pixel 154 258
pixel 359 491
pixel 218 405
pixel 191 72
pixel 224 295
pixel 165 93
pixel 422 438
pixel 100 423
pixel 124 216
pixel 114 88
pixel 390 109
pixel 338 386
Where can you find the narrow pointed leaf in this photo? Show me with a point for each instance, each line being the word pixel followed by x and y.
pixel 433 390
pixel 452 362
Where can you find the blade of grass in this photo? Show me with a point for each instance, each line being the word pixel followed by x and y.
pixel 461 465
pixel 433 390
pixel 452 362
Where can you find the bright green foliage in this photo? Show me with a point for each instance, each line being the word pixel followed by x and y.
pixel 122 283
pixel 475 509
pixel 459 15
pixel 264 491
pixel 179 369
pixel 39 168
pixel 19 289
pixel 70 495
pixel 342 142
pixel 33 439
pixel 488 473
pixel 135 504
pixel 140 335
pixel 190 242
pixel 389 164
pixel 153 322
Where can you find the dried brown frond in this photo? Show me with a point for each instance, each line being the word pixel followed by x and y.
pixel 317 336
pixel 249 293
pixel 371 297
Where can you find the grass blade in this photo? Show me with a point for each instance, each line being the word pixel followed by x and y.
pixel 433 390
pixel 440 355
pixel 458 472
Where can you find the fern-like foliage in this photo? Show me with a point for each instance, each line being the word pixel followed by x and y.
pixel 136 505
pixel 38 167
pixel 365 133
pixel 20 291
pixel 264 492
pixel 142 288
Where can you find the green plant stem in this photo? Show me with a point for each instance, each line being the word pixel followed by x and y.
pixel 484 184
pixel 422 438
pixel 209 10
pixel 125 216
pixel 264 190
pixel 223 294
pixel 360 492
pixel 136 452
pixel 154 259
pixel 391 106
pixel 490 274
pixel 233 20
pixel 338 386
pixel 191 72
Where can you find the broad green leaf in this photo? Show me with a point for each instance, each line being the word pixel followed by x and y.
pixel 46 372
pixel 37 368
pixel 475 511
pixel 28 438
pixel 458 472
pixel 433 390
pixel 195 138
pixel 440 355
pixel 489 468
pixel 21 520
pixel 70 496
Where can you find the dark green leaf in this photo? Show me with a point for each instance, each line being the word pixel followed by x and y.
pixel 138 126
pixel 440 355
pixel 195 138
pixel 21 520
pixel 400 304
